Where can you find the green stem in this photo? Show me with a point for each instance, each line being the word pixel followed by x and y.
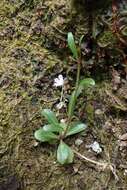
pixel 76 86
pixel 62 92
pixel 75 95
pixel 78 75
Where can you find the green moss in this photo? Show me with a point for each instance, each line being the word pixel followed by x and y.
pixel 27 70
pixel 107 38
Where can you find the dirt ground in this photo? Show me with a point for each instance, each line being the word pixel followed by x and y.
pixel 33 51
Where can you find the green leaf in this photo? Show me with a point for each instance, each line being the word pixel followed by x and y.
pixel 44 136
pixel 65 154
pixel 50 116
pixel 53 128
pixel 85 83
pixel 72 46
pixel 76 129
pixel 72 103
pixel 48 128
pixel 80 40
pixel 63 126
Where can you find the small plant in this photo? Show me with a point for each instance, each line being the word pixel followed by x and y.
pixel 56 131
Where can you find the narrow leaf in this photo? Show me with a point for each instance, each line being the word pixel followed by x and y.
pixel 72 103
pixel 76 129
pixel 44 136
pixel 65 154
pixel 72 46
pixel 80 40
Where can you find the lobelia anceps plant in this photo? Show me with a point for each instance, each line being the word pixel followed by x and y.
pixel 56 131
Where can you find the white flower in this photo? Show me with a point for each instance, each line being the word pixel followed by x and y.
pixel 59 81
pixel 60 105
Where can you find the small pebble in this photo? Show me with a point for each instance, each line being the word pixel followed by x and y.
pixel 78 142
pixel 98 112
pixel 95 147
pixel 35 144
pixel 125 172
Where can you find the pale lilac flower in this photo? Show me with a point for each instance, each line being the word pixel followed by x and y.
pixel 59 81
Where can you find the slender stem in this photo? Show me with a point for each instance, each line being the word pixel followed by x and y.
pixel 62 92
pixel 78 75
pixel 61 97
pixel 76 88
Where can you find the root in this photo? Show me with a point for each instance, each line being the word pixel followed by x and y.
pixel 104 165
